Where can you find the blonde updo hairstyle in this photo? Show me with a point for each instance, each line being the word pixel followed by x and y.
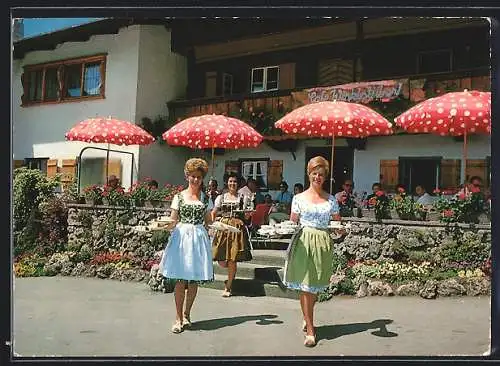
pixel 318 162
pixel 196 164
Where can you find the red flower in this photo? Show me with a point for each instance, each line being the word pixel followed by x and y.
pixel 380 193
pixel 461 196
pixel 436 191
pixel 448 213
pixel 401 190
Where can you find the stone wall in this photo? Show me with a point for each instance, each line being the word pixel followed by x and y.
pixel 104 228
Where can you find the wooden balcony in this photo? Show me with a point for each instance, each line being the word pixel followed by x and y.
pixel 285 100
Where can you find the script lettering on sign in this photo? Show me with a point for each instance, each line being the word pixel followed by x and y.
pixel 358 92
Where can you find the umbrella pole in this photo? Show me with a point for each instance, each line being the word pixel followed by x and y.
pixel 107 165
pixel 213 161
pixel 465 160
pixel 331 166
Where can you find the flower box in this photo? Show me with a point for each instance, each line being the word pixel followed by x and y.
pixel 152 203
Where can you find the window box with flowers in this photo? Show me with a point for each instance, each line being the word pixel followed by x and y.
pixel 378 206
pixel 466 207
pixel 406 208
pixel 114 196
pixel 93 194
pixel 138 193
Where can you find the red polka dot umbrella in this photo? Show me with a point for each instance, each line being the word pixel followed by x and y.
pixel 331 119
pixel 109 130
pixel 212 131
pixel 451 114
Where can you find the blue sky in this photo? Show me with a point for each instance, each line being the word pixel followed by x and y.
pixel 36 26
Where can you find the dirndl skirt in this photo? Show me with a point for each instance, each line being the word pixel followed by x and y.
pixel 188 254
pixel 309 262
pixel 228 246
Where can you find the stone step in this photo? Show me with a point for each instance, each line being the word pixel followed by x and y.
pixel 269 257
pixel 253 287
pixel 253 270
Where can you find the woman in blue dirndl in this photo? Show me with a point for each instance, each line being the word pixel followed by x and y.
pixel 188 254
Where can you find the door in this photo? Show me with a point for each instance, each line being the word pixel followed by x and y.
pixel 420 171
pixel 342 169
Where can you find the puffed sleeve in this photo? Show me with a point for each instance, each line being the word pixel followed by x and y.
pixel 175 203
pixel 218 201
pixel 295 205
pixel 334 206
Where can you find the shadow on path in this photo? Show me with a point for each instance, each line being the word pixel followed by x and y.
pixel 212 324
pixel 339 330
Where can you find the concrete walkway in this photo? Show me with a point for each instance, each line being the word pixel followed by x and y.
pixel 66 316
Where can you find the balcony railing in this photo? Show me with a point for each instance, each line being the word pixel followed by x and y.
pixel 419 86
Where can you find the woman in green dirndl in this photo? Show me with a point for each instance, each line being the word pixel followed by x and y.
pixel 308 267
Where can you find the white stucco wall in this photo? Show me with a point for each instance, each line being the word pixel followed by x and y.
pixel 162 77
pixel 38 131
pixel 367 162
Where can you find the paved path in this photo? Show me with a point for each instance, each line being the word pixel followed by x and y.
pixel 83 317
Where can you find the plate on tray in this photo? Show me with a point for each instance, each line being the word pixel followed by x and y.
pixel 224 227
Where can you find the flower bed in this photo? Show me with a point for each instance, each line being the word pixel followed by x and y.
pixel 420 259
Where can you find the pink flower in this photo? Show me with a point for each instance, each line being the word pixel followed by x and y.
pixel 448 213
pixel 436 191
pixel 401 190
pixel 461 196
pixel 380 193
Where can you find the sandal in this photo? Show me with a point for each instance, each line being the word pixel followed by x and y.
pixel 177 327
pixel 310 341
pixel 186 322
pixel 304 326
pixel 226 293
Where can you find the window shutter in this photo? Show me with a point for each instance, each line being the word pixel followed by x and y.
pixel 287 76
pixel 114 168
pixel 477 167
pixel 274 174
pixel 51 167
pixel 68 170
pixel 389 174
pixel 211 84
pixel 450 173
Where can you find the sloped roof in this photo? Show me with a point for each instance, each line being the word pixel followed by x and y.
pixel 79 33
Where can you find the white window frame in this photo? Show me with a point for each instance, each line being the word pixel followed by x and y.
pixel 245 170
pixel 264 81
pixel 420 54
pixel 230 77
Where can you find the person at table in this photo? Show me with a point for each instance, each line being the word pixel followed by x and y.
pixel 261 214
pixel 212 190
pixel 376 187
pixel 424 198
pixel 309 262
pixel 345 199
pixel 282 202
pixel 251 190
pixel 228 248
pixel 187 258
pixel 298 188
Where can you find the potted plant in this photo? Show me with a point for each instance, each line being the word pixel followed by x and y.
pixel 92 194
pixel 154 197
pixel 381 206
pixel 114 196
pixel 138 193
pixel 168 193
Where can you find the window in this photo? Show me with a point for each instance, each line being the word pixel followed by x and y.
pixel 37 163
pixel 434 61
pixel 265 79
pixel 227 84
pixel 63 81
pixel 256 169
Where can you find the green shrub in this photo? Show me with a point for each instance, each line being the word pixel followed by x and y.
pixel 53 235
pixel 159 239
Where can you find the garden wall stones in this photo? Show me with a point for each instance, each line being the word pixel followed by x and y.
pixel 97 229
pixel 395 239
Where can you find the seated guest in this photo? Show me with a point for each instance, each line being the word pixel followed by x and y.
pixel 153 184
pixel 251 189
pixel 424 198
pixel 284 197
pixel 345 199
pixel 212 191
pixel 375 188
pixel 298 188
pixel 261 214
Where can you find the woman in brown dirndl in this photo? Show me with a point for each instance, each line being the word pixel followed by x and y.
pixel 230 247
